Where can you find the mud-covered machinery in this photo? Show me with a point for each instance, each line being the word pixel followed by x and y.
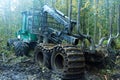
pixel 57 48
pixel 50 29
pixel 69 60
pixel 26 37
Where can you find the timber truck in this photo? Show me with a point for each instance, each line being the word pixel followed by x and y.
pixel 50 34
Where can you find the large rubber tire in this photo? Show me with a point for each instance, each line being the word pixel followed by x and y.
pixel 10 42
pixel 42 57
pixel 21 48
pixel 68 63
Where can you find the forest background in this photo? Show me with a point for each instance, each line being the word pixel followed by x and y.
pixel 96 17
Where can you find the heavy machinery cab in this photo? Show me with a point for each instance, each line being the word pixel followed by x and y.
pixel 30 26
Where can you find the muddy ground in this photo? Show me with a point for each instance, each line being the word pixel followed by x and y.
pixel 26 69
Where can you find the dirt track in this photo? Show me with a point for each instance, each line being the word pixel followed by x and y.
pixel 26 69
pixel 22 70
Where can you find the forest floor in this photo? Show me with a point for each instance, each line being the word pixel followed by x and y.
pixel 23 68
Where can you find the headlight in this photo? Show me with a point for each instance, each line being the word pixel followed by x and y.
pixel 18 36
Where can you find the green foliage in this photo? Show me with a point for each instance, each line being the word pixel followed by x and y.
pixel 10 20
pixel 117 44
pixel 94 13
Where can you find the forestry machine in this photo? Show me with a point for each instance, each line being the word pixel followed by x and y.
pixel 50 33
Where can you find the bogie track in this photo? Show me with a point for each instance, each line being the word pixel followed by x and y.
pixel 66 61
pixel 43 55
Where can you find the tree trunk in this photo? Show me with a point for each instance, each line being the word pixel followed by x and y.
pixel 78 17
pixel 67 3
pixel 107 13
pixel 70 13
pixel 95 20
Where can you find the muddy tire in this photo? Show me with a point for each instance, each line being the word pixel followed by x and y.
pixel 11 41
pixel 68 63
pixel 21 48
pixel 42 57
pixel 10 44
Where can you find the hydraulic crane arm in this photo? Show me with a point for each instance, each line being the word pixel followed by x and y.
pixel 58 16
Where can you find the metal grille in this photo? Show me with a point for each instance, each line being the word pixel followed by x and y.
pixel 38 21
